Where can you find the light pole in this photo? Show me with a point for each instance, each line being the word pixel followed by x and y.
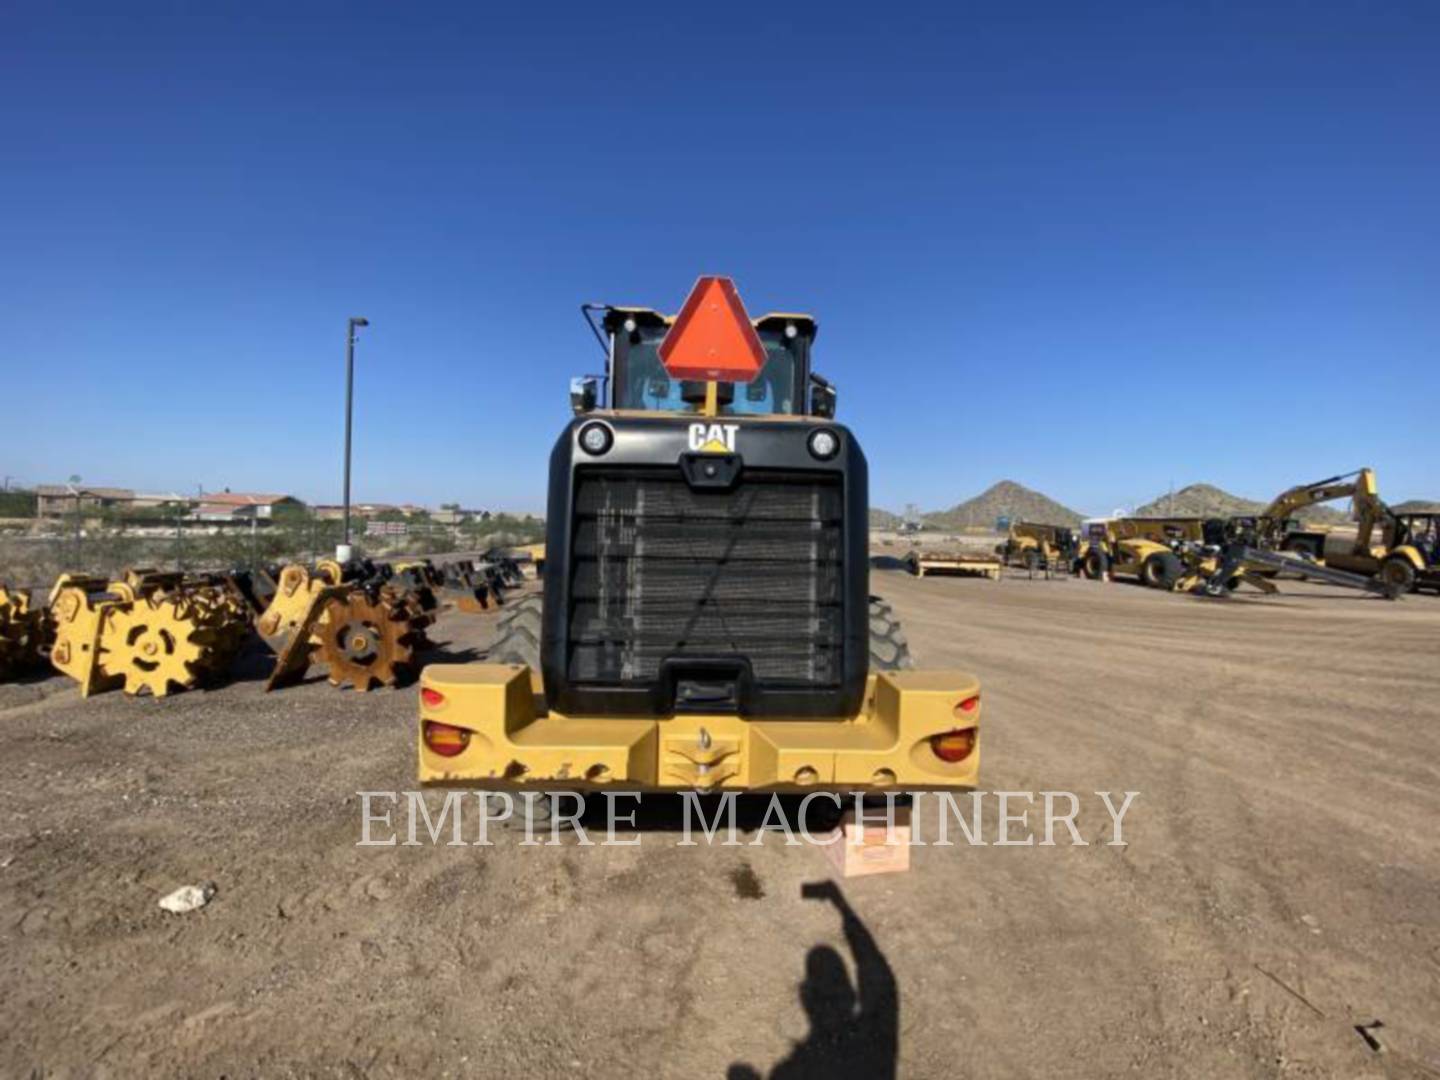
pixel 74 480
pixel 355 324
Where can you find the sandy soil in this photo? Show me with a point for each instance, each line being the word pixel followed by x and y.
pixel 1280 889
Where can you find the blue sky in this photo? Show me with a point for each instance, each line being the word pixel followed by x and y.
pixel 1093 248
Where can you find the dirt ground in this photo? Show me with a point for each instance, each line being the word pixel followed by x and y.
pixel 1275 913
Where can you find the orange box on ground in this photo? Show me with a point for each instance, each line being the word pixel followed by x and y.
pixel 853 857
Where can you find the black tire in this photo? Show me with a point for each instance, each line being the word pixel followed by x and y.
pixel 889 648
pixel 518 638
pixel 537 808
pixel 1302 546
pixel 1161 570
pixel 1398 573
pixel 1091 565
pixel 532 602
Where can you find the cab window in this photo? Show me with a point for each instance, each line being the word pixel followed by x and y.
pixel 643 383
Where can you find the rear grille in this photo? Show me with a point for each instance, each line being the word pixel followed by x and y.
pixel 659 570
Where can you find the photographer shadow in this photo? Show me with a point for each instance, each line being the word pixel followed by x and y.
pixel 854 1028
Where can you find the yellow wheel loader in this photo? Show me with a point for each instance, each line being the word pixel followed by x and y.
pixel 706 621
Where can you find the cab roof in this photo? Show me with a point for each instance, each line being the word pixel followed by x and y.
pixel 771 320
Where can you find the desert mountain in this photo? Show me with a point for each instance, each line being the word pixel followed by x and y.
pixel 1006 499
pixel 1207 500
pixel 1199 500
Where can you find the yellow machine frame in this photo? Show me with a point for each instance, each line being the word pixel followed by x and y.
pixel 1132 541
pixel 510 743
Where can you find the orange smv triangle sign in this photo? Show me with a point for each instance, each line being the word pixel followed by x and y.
pixel 712 337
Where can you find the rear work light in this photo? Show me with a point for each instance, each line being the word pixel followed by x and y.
pixel 431 699
pixel 953 746
pixel 445 740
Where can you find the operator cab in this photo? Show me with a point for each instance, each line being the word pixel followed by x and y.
pixel 1420 530
pixel 636 379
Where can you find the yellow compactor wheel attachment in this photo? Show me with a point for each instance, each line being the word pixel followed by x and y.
pixel 26 632
pixel 151 646
pixel 364 641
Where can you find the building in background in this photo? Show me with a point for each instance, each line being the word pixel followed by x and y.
pixel 454 515
pixel 163 500
pixel 241 506
pixel 60 500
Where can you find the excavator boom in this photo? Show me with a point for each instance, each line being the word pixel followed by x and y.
pixel 1359 485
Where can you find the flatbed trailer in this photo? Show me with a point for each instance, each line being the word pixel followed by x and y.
pixel 971 563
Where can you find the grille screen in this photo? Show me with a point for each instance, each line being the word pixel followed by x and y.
pixel 660 570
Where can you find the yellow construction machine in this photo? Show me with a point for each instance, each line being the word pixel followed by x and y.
pixel 1038 547
pixel 1398 549
pixel 1416 537
pixel 1212 556
pixel 706 622
pixel 1142 548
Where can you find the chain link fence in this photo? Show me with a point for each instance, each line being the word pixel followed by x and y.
pixel 34 554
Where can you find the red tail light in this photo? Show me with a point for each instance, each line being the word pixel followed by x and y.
pixel 431 698
pixel 953 746
pixel 445 740
pixel 969 705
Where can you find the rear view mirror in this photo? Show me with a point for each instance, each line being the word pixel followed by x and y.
pixel 584 394
pixel 822 397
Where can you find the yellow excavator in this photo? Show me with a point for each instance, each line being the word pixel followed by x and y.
pixel 1400 552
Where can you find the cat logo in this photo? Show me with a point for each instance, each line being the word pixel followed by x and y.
pixel 713 438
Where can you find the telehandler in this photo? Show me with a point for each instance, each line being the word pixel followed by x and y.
pixel 1038 547
pixel 1145 548
pixel 706 621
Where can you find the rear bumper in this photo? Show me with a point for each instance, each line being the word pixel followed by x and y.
pixel 509 743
